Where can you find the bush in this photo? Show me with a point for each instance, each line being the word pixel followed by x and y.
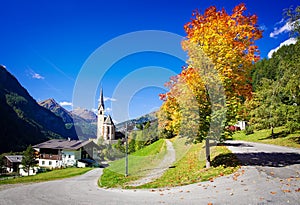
pixel 249 130
pixel 292 126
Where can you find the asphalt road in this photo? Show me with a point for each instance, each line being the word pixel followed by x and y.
pixel 270 175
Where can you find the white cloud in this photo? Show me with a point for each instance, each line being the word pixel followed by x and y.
pixel 285 28
pixel 109 99
pixel 37 76
pixel 64 103
pixel 287 42
pixel 108 109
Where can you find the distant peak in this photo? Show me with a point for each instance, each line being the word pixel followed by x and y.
pixel 49 101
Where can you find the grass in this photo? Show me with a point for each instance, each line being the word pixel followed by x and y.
pixel 47 176
pixel 188 168
pixel 139 164
pixel 191 167
pixel 281 137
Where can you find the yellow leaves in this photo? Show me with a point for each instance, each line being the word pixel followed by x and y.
pixel 228 40
pixel 219 41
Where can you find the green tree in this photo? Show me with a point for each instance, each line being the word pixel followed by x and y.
pixel 293 16
pixel 131 146
pixel 28 160
pixel 1 163
pixel 139 126
pixel 276 99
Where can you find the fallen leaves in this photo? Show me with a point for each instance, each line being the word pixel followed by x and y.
pixel 273 192
pixel 286 191
pixel 297 190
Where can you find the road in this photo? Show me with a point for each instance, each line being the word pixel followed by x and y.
pixel 269 175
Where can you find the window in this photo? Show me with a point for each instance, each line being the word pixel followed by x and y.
pixel 50 162
pixel 43 162
pixel 69 156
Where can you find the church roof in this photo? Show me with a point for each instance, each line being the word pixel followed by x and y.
pixel 101 100
pixel 108 120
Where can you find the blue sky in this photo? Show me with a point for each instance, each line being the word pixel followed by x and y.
pixel 46 44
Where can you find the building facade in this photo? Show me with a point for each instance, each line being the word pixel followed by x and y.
pixel 58 153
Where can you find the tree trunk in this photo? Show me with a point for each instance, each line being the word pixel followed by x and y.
pixel 207 153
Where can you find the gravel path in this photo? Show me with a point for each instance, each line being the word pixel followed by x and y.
pixel 259 181
pixel 157 172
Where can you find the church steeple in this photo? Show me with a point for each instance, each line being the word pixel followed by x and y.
pixel 101 101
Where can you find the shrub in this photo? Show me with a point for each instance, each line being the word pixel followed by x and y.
pixel 249 130
pixel 292 126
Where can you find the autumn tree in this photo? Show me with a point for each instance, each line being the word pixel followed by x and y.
pixel 221 50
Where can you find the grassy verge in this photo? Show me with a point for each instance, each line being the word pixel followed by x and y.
pixel 281 137
pixel 139 162
pixel 191 167
pixel 47 176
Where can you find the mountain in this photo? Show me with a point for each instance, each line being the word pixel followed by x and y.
pixel 23 120
pixel 88 115
pixel 150 117
pixel 83 120
pixel 58 110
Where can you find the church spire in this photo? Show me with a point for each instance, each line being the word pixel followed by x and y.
pixel 101 101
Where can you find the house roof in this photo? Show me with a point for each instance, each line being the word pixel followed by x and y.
pixel 15 158
pixel 63 144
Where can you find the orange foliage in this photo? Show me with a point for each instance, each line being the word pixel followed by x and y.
pixel 225 41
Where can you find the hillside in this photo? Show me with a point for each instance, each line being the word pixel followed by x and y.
pixel 23 121
pixel 140 120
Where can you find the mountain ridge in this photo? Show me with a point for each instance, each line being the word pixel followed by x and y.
pixel 23 120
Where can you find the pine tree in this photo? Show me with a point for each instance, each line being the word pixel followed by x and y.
pixel 28 160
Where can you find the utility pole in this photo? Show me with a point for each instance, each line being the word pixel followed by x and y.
pixel 207 152
pixel 126 151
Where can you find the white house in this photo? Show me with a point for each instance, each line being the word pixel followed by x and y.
pixel 13 164
pixel 241 124
pixel 32 171
pixel 57 153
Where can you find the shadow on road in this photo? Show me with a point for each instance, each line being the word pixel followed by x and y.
pixel 237 144
pixel 269 159
pixel 256 159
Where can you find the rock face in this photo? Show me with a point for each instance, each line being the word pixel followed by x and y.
pixel 23 121
pixel 58 110
pixel 87 115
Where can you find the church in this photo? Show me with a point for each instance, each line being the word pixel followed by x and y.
pixel 105 126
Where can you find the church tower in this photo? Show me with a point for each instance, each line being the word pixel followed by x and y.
pixel 105 126
pixel 100 130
